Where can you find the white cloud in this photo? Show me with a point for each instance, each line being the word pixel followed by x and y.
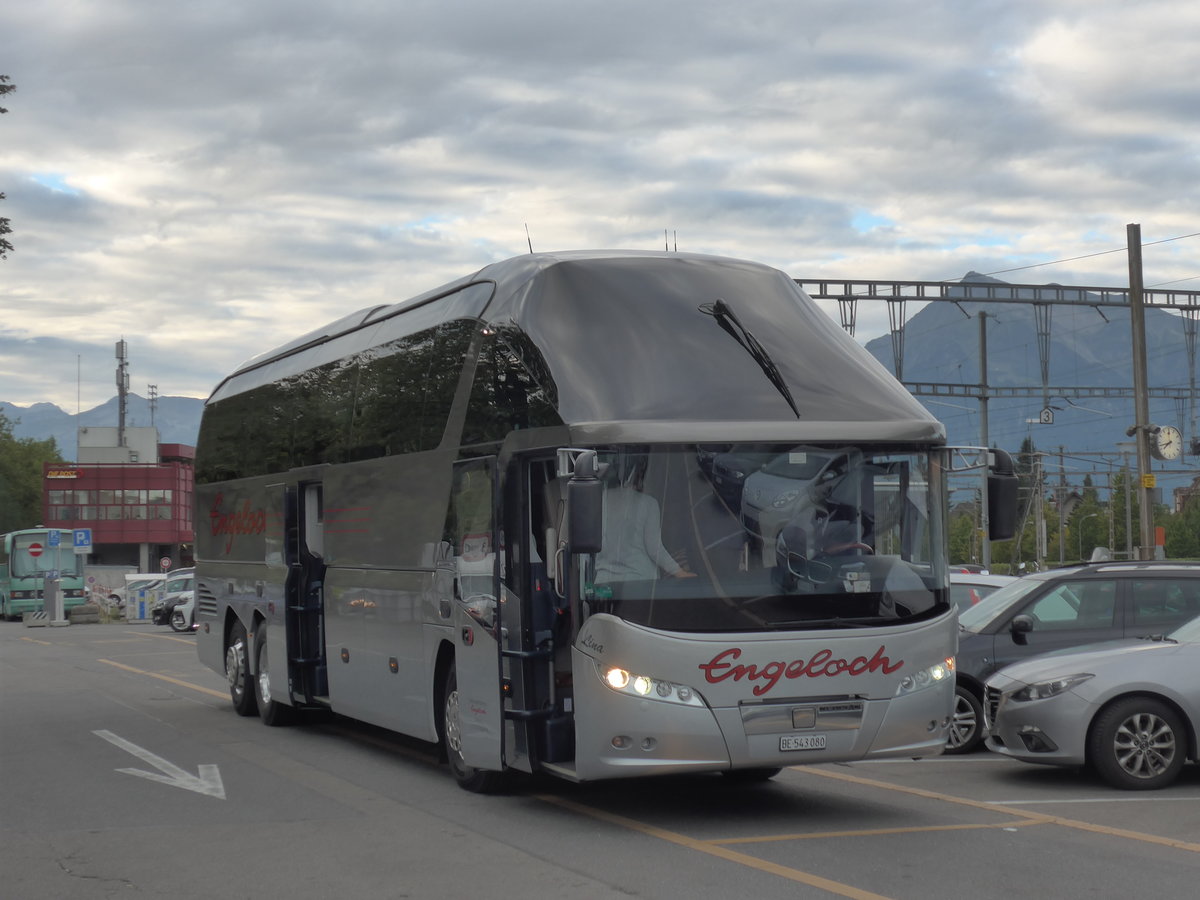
pixel 210 179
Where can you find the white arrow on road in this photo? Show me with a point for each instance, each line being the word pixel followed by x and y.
pixel 208 782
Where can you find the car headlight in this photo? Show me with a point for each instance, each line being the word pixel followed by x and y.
pixel 787 498
pixel 1043 689
pixel 625 682
pixel 935 674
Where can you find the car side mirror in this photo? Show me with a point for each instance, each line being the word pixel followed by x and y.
pixel 1021 626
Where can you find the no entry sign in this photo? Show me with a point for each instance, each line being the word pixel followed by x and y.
pixel 35 550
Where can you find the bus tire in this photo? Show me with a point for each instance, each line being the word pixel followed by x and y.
pixel 479 781
pixel 237 671
pixel 272 712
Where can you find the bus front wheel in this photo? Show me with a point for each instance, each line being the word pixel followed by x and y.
pixel 480 781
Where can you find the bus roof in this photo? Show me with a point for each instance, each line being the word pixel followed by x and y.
pixel 652 345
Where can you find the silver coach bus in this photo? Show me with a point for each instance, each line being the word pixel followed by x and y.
pixel 507 516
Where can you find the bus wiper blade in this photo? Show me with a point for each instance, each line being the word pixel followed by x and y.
pixel 725 317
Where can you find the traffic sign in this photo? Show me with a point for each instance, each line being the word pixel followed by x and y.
pixel 165 563
pixel 53 538
pixel 83 540
pixel 35 549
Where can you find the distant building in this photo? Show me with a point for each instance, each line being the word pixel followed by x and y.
pixel 135 495
pixel 1184 495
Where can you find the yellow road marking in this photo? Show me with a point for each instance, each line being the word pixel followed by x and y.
pixel 875 832
pixel 712 849
pixel 36 641
pixel 165 637
pixel 176 681
pixel 1037 818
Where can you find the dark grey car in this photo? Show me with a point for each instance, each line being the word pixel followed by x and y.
pixel 1059 609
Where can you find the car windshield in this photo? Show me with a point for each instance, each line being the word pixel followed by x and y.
pixel 996 604
pixel 1188 633
pixel 860 546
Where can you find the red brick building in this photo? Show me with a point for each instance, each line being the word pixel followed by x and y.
pixel 139 512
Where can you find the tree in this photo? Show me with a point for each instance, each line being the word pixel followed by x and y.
pixel 21 477
pixel 6 87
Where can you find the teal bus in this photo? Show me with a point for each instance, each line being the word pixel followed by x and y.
pixel 27 559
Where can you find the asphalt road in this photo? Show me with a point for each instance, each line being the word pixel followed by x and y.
pixel 124 772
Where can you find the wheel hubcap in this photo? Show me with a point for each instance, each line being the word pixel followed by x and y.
pixel 1144 745
pixel 453 729
pixel 233 666
pixel 962 728
pixel 264 677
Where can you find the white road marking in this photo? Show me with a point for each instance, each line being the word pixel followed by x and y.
pixel 208 780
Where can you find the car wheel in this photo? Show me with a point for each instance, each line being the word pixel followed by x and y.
pixel 1138 744
pixel 966 725
pixel 272 712
pixel 179 621
pixel 480 781
pixel 237 671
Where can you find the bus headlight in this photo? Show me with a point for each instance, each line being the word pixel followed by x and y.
pixel 625 682
pixel 935 674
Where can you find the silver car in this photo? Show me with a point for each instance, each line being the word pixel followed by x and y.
pixel 1129 709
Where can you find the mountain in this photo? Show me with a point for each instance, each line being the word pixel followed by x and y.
pixel 176 418
pixel 1089 347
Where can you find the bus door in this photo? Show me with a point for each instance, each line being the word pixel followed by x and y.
pixel 304 592
pixel 474 553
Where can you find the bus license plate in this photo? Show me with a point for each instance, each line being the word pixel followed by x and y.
pixel 802 742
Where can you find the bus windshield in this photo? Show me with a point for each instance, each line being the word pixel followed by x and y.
pixel 768 537
pixel 30 556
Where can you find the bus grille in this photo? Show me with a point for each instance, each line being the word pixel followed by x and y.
pixel 206 603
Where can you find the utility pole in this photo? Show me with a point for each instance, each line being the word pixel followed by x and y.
pixel 985 542
pixel 1062 502
pixel 1141 398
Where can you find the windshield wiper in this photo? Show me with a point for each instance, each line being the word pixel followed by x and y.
pixel 725 317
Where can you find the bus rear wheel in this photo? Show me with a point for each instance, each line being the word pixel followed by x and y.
pixel 272 712
pixel 480 781
pixel 237 671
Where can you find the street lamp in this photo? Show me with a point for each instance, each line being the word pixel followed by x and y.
pixel 1081 521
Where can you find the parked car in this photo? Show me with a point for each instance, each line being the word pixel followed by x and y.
pixel 1129 709
pixel 179 586
pixel 968 588
pixel 183 614
pixel 1060 609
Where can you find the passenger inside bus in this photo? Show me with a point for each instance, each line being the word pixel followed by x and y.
pixel 633 548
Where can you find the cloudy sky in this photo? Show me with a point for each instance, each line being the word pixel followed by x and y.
pixel 209 179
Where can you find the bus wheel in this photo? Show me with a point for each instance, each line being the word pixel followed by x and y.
pixel 272 712
pixel 480 781
pixel 237 671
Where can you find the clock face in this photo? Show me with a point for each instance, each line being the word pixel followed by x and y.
pixel 1168 443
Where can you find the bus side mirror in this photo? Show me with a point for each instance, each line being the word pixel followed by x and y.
pixel 1002 485
pixel 585 506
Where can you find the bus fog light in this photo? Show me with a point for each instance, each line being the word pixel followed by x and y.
pixel 649 744
pixel 622 742
pixel 642 685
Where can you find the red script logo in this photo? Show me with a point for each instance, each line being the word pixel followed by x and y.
pixel 820 663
